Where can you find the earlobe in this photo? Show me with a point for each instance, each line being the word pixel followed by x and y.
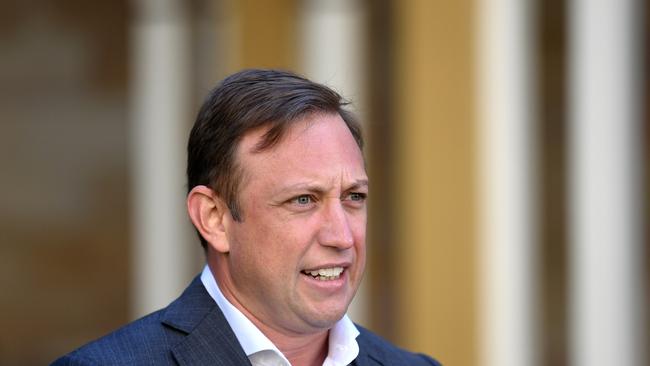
pixel 208 213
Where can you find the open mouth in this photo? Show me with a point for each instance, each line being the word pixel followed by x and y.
pixel 324 274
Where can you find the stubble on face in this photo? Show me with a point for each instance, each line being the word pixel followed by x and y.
pixel 303 205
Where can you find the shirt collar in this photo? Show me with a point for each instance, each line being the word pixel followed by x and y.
pixel 343 346
pixel 249 336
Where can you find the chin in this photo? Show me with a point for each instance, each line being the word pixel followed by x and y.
pixel 322 323
pixel 325 318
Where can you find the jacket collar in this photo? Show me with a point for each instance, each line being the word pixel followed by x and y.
pixel 195 314
pixel 362 357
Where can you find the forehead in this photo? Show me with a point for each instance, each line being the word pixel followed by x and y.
pixel 317 145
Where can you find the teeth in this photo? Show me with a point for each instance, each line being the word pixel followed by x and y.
pixel 325 274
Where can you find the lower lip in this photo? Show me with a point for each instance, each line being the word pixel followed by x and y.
pixel 327 285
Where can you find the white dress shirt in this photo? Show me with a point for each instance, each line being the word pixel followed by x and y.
pixel 343 346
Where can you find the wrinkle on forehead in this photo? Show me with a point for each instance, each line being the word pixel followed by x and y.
pixel 328 158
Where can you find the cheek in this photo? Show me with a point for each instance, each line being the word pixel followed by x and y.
pixel 358 227
pixel 266 246
pixel 249 241
pixel 359 233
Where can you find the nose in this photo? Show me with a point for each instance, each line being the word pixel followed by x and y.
pixel 335 230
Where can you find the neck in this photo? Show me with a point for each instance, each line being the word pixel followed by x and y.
pixel 307 352
pixel 308 349
pixel 301 349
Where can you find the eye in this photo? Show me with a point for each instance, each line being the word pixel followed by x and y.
pixel 356 196
pixel 302 200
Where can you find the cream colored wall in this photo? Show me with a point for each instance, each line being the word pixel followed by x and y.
pixel 259 34
pixel 434 168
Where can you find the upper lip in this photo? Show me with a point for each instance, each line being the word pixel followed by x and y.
pixel 328 265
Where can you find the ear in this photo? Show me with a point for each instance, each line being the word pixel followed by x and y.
pixel 209 214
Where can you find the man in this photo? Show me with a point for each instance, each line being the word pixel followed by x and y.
pixel 277 192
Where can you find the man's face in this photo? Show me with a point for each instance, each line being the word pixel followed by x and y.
pixel 298 255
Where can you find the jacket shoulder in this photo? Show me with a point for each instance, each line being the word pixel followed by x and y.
pixel 149 340
pixel 385 353
pixel 142 342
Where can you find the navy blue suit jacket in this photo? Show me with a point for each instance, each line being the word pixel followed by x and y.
pixel 193 331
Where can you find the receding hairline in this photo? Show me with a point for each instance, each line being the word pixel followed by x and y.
pixel 239 172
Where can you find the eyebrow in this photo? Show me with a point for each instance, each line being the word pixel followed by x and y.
pixel 317 188
pixel 358 184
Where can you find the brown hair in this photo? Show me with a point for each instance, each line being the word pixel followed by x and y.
pixel 244 101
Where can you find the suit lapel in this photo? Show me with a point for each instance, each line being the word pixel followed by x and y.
pixel 369 353
pixel 211 343
pixel 209 340
pixel 361 360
